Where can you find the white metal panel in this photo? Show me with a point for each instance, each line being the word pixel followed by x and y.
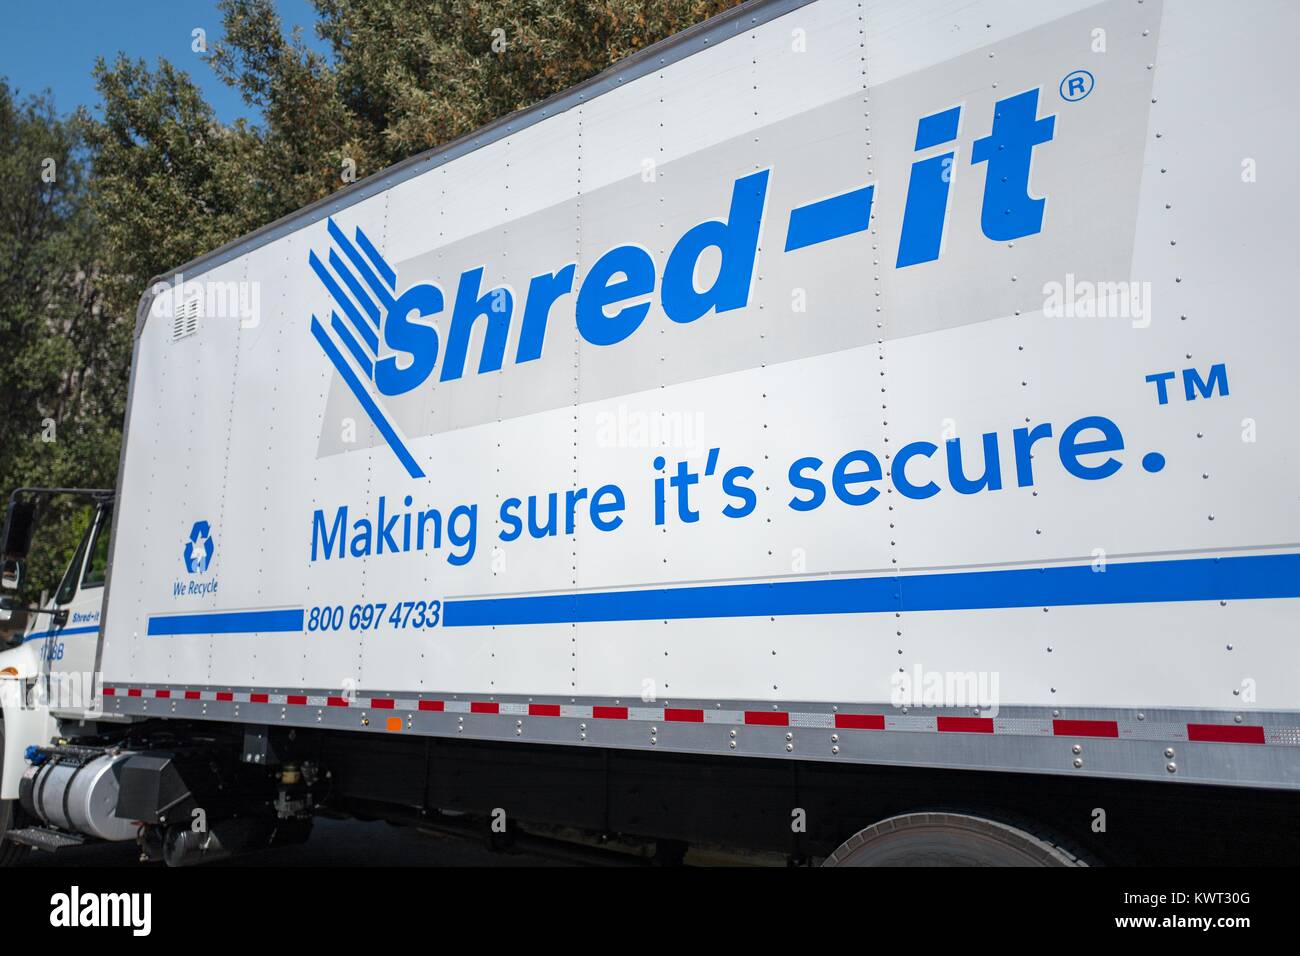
pixel 839 349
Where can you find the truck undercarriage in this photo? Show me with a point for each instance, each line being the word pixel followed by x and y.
pixel 194 792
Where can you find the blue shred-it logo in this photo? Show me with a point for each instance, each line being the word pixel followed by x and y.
pixel 374 305
pixel 384 343
pixel 199 548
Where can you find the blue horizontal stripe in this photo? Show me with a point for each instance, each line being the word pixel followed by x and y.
pixel 226 622
pixel 61 632
pixel 1140 582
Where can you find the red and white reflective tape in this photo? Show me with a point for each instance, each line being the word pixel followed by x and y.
pixel 1235 733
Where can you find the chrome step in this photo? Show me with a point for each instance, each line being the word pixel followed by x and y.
pixel 42 839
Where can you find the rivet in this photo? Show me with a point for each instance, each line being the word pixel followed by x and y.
pixel 835 750
pixel 1172 768
pixel 1078 761
pixel 732 745
pixel 1076 749
pixel 1169 752
pixel 835 738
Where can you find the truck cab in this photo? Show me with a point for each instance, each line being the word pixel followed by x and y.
pixel 74 773
pixel 65 629
pixel 48 672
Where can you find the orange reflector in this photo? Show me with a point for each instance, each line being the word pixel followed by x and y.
pixel 394 723
pixel 9 672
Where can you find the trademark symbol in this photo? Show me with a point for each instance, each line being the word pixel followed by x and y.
pixel 1077 85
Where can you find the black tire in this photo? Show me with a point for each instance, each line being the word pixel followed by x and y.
pixel 11 854
pixel 948 839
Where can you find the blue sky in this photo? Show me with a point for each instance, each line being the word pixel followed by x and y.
pixel 54 44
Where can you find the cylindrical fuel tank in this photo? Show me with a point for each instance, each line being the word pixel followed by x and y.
pixel 78 793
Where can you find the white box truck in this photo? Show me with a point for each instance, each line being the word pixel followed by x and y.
pixel 859 431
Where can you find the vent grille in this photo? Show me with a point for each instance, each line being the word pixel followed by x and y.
pixel 186 320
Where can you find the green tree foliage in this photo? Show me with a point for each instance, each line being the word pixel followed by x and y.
pixel 169 181
pixel 403 76
pixel 63 356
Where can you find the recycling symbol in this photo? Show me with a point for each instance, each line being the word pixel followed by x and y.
pixel 199 548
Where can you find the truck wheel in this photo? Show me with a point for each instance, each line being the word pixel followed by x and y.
pixel 947 839
pixel 10 853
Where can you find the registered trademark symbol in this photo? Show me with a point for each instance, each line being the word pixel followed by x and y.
pixel 1077 85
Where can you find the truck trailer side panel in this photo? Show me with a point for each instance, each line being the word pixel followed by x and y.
pixel 892 382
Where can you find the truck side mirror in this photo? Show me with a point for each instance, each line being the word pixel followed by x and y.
pixel 20 522
pixel 11 574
